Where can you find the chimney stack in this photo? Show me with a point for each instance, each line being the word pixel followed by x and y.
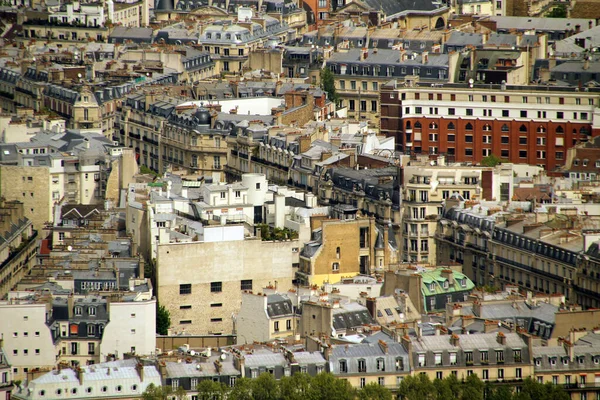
pixel 501 338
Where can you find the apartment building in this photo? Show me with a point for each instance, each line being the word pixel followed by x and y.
pixel 56 167
pixel 122 378
pixel 143 117
pixel 494 357
pixel 19 246
pixel 193 145
pixel 343 247
pixel 532 125
pixel 382 362
pixel 425 190
pixel 201 282
pixel 571 362
pixel 78 330
pixel 545 253
pixel 361 72
pixel 429 289
pixel 374 192
pixel 6 376
pixel 266 317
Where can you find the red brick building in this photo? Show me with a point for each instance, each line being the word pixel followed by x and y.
pixel 526 124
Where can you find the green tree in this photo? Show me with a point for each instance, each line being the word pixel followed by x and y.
pixel 265 387
pixel 473 388
pixel 501 392
pixel 211 390
pixel 417 387
pixel 242 390
pixel 491 161
pixel 325 386
pixel 559 11
pixel 153 392
pixel 328 85
pixel 373 391
pixel 163 319
pixel 295 387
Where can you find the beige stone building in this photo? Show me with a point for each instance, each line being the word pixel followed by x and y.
pixel 201 283
pixel 344 246
pixel 266 317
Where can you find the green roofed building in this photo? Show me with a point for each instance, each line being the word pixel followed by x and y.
pixel 429 289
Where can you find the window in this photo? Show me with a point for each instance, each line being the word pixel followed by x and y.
pixel 500 373
pixel 37 352
pixel 485 374
pixel 174 383
pixel 484 357
pixel 505 113
pixel 363 382
pixel 560 115
pixel 216 287
pixel 519 373
pixel 381 381
pixel 452 358
pixel 499 356
pixel 246 284
pixel 343 366
pixel 422 362
pixel 288 324
pixel 380 364
pixel 78 310
pixel 362 366
pixel 469 357
pixel 451 111
pixel 92 310
pixel 185 288
pixel 505 128
pixel 437 358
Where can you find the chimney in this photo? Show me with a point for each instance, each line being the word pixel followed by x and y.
pixel 407 344
pixel 383 346
pixel 489 326
pixel 454 340
pixel 372 306
pixel 304 142
pixel 501 338
pixel 586 64
pixel 577 28
pixel 80 373
pixel 425 57
pixel 364 54
pixel 140 370
pixel 70 305
pixel 449 275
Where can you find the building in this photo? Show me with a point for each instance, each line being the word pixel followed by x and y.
pixel 59 167
pixel 571 362
pixel 18 247
pixel 492 356
pixel 360 72
pixel 428 289
pixel 206 302
pixel 324 315
pixel 382 361
pixel 425 189
pixel 266 317
pixel 108 380
pixel 6 380
pixel 467 124
pixel 343 247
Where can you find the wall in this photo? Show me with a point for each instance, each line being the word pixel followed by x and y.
pixel 15 184
pixel 199 264
pixel 253 323
pixel 119 335
pixel 27 319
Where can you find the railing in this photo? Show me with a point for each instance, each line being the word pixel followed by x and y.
pixel 17 252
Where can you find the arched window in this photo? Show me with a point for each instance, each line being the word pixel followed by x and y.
pixel 408 125
pixel 504 128
pixel 451 126
pixel 433 125
pixel 337 252
pixel 584 130
pixel 541 129
pixel 487 128
pixel 469 126
pixel 523 128
pixel 417 125
pixel 560 129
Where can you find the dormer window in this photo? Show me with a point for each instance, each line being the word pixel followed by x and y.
pixel 432 287
pixel 78 310
pixel 92 310
pixel 446 285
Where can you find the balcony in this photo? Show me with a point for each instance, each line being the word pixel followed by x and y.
pixel 134 136
pixel 151 141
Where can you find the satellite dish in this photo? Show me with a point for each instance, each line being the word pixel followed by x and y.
pixel 192 353
pixel 471 81
pixel 223 357
pixel 69 248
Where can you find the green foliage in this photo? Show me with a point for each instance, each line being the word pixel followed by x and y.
pixel 157 392
pixel 295 387
pixel 373 391
pixel 325 386
pixel 163 319
pixel 242 390
pixel 265 387
pixel 145 170
pixel 211 390
pixel 328 85
pixel 491 161
pixel 268 233
pixel 559 11
pixel 417 387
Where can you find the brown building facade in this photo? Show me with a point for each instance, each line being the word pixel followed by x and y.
pixel 517 124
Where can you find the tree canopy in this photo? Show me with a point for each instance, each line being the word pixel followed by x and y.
pixel 163 320
pixel 559 11
pixel 328 85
